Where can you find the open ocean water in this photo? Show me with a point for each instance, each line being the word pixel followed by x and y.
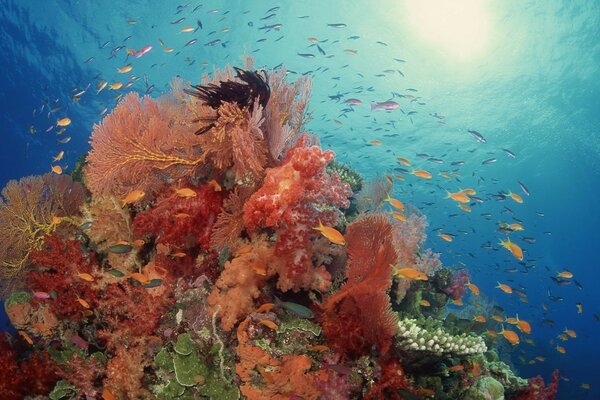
pixel 523 75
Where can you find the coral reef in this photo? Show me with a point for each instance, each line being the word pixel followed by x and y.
pixel 242 262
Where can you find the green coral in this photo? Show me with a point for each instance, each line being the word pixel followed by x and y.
pixel 17 298
pixel 299 324
pixel 61 390
pixel 346 174
pixel 486 388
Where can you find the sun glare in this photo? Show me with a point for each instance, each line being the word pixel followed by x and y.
pixel 459 28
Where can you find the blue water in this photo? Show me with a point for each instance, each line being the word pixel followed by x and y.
pixel 532 88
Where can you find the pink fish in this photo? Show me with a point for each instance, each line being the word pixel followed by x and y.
pixel 386 105
pixel 41 295
pixel 139 53
pixel 353 102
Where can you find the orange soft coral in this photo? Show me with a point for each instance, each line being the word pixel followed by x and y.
pixel 241 282
pixel 283 378
pixel 359 315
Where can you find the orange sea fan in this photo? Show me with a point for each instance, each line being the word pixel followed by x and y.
pixel 140 144
pixel 230 222
pixel 237 141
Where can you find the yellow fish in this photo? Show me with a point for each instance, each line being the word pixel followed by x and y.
pixel 186 193
pixel 63 122
pixel 57 169
pixel 125 69
pixel 424 303
pixel 59 156
pixel 411 273
pixel 330 233
pixel 101 86
pixel 133 196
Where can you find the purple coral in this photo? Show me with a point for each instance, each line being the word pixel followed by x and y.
pixel 456 289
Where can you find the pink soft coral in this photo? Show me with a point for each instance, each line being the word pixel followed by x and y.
pixel 293 198
pixel 536 390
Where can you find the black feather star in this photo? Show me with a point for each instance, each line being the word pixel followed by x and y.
pixel 252 86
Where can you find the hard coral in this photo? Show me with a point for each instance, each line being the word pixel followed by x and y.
pixel 293 198
pixel 181 222
pixel 359 315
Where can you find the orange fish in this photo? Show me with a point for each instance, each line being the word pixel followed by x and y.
pixel 318 347
pixel 125 69
pixel 523 326
pixel 179 254
pixel 564 274
pixel 116 86
pixel 107 395
pixel 465 208
pixel 266 307
pixel 458 196
pixel 421 173
pixel 469 192
pixel 480 318
pixel 512 321
pixel 186 29
pixel 375 142
pixel 398 216
pixel 424 303
pixel 182 215
pixel 57 169
pixel 570 332
pixel 510 336
pixel 59 156
pixel 64 122
pixel 516 227
pixel 458 302
pixel 445 236
pixel 330 233
pixel 133 196
pixel 516 197
pixel 476 369
pixel 56 220
pixel 85 276
pixel 473 288
pixel 403 161
pixel 560 349
pixel 498 318
pixel 397 204
pixel 268 323
pixel 411 273
pixel 456 368
pixel 260 269
pixel 504 288
pixel 25 336
pixel 243 250
pixel 141 278
pixel 513 248
pixel 388 179
pixel 83 303
pixel 42 328
pixel 137 243
pixel 492 333
pixel 215 185
pixel 399 177
pixel 186 193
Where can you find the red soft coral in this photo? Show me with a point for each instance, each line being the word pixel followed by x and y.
pixel 56 269
pixel 359 315
pixel 536 390
pixel 11 381
pixel 181 222
pixel 391 379
pixel 292 199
